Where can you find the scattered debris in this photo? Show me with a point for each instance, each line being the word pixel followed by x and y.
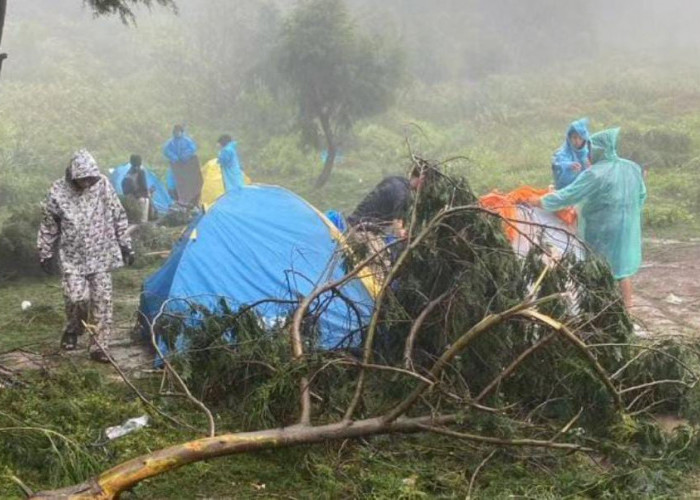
pixel 131 425
pixel 674 299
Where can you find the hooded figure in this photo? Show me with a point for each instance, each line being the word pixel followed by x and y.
pixel 610 196
pixel 180 148
pixel 573 155
pixel 85 219
pixel 230 165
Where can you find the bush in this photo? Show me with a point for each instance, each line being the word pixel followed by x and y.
pixel 283 156
pixel 656 148
pixel 18 254
pixel 658 216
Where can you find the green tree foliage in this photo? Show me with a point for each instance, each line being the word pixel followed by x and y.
pixel 337 73
pixel 123 8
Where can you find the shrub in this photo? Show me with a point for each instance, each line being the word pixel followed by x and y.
pixel 656 148
pixel 658 216
pixel 18 254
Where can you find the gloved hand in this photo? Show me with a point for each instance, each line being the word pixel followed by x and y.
pixel 46 265
pixel 128 255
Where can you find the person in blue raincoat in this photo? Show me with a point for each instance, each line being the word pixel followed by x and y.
pixel 171 184
pixel 181 147
pixel 181 152
pixel 573 156
pixel 230 164
pixel 610 196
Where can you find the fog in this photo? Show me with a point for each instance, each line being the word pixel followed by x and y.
pixel 445 40
pixel 73 79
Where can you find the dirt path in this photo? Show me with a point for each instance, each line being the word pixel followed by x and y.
pixel 667 289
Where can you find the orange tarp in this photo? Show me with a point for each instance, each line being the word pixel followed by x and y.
pixel 506 205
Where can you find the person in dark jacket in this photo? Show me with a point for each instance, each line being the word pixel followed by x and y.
pixel 135 185
pixel 381 217
pixel 384 209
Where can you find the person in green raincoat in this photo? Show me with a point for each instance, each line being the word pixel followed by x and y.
pixel 610 197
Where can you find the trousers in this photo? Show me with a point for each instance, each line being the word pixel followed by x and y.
pixel 88 300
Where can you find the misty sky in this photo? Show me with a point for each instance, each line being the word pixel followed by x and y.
pixel 443 37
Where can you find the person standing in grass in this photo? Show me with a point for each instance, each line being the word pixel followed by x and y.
pixel 573 157
pixel 85 219
pixel 230 164
pixel 181 152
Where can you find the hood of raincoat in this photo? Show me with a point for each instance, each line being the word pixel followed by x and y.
pixel 567 155
pixel 581 128
pixel 82 166
pixel 604 145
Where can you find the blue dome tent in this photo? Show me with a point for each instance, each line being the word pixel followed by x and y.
pixel 160 198
pixel 256 244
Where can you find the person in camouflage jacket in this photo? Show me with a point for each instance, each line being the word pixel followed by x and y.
pixel 84 218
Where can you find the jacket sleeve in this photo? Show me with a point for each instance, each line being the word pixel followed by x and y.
pixel 49 229
pixel 584 186
pixel 228 160
pixel 170 151
pixel 190 148
pixel 121 222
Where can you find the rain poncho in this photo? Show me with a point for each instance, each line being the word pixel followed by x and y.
pixel 90 224
pixel 610 196
pixel 567 155
pixel 231 167
pixel 180 149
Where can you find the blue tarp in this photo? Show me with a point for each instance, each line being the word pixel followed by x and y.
pixel 259 243
pixel 160 198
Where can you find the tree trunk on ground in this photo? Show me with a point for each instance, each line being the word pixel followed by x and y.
pixel 3 11
pixel 332 152
pixel 127 475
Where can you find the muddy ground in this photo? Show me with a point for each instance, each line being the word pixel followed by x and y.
pixel 667 289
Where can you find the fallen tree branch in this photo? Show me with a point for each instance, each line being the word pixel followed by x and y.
pixel 472 481
pixel 457 347
pixel 175 375
pixel 514 365
pixel 131 386
pixel 110 484
pixel 379 300
pixel 531 443
pixel 581 346
pixel 417 325
pixel 300 314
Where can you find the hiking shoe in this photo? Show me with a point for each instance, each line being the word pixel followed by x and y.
pixel 69 341
pixel 99 356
